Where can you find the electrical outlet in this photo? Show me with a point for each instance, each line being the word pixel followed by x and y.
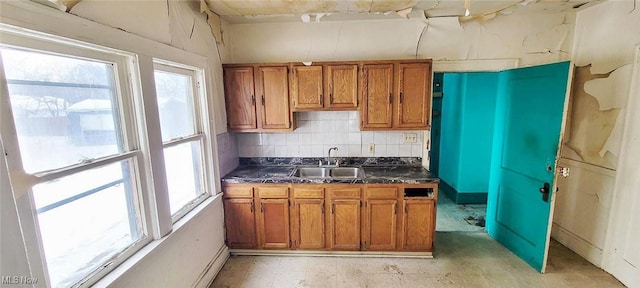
pixel 372 148
pixel 409 138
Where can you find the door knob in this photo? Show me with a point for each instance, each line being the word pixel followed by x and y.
pixel 545 189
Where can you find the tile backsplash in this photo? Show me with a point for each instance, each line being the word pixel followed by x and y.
pixel 319 131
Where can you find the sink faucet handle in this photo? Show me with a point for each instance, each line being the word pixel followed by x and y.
pixel 319 163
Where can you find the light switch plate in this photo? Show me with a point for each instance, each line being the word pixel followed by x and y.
pixel 372 148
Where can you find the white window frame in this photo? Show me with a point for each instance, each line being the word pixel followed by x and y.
pixel 201 129
pixel 125 65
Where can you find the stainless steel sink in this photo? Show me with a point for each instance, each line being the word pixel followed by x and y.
pixel 328 172
pixel 347 172
pixel 308 172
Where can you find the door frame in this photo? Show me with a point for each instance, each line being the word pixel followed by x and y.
pixel 459 66
pixel 499 66
pixel 554 187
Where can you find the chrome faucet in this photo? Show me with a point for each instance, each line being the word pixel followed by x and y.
pixel 329 155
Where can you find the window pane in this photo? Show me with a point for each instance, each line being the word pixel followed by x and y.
pixel 184 174
pixel 85 219
pixel 63 108
pixel 175 102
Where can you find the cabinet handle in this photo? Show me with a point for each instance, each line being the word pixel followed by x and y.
pixel 262 100
pixel 261 207
pixel 390 98
pixel 406 208
pixel 253 100
pixel 251 207
pixel 322 207
pixel 330 98
pixel 395 208
pixel 320 99
pixel 400 97
pixel 333 208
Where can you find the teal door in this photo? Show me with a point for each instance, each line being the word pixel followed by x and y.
pixel 529 112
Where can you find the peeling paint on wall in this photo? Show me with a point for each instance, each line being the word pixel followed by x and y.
pixel 612 92
pixel 589 126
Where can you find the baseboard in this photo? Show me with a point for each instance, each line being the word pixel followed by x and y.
pixel 576 244
pixel 472 198
pixel 462 197
pixel 314 253
pixel 447 190
pixel 213 268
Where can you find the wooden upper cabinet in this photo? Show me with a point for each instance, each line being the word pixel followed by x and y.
pixel 307 88
pixel 342 87
pixel 377 96
pixel 334 87
pixel 414 95
pixel 273 90
pixel 240 98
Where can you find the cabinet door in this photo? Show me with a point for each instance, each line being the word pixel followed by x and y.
pixel 308 223
pixel 273 223
pixel 345 224
pixel 377 94
pixel 414 96
pixel 306 88
pixel 274 97
pixel 342 86
pixel 418 224
pixel 240 98
pixel 381 224
pixel 240 223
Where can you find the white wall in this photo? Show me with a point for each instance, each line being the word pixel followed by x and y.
pixel 532 38
pixel 605 39
pixel 319 131
pixel 193 252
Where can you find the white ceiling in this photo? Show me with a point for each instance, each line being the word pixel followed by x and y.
pixel 256 11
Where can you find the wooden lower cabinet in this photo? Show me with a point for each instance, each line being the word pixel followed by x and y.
pixel 344 218
pixel 273 223
pixel 308 217
pixel 308 224
pixel 381 221
pixel 240 223
pixel 347 217
pixel 418 223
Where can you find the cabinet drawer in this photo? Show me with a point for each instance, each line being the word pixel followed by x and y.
pixel 381 193
pixel 308 192
pixel 238 192
pixel 344 192
pixel 272 191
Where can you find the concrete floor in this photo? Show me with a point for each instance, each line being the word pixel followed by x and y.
pixel 461 260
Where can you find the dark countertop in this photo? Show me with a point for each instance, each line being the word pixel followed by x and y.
pixel 373 174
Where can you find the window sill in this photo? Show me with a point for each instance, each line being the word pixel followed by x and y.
pixel 139 256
